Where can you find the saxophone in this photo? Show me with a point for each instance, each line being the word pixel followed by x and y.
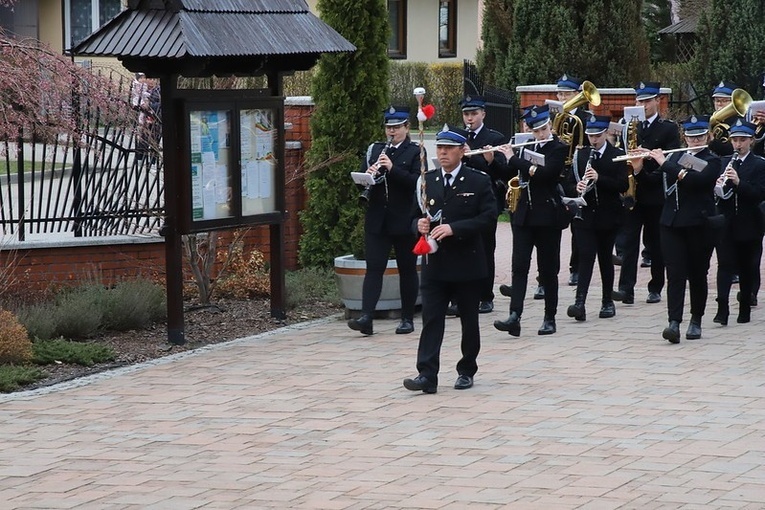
pixel 513 194
pixel 628 197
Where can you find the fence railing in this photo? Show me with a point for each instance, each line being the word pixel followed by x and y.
pixel 108 181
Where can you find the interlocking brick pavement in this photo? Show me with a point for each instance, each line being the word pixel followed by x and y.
pixel 602 415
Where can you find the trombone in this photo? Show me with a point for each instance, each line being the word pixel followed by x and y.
pixel 645 154
pixel 497 147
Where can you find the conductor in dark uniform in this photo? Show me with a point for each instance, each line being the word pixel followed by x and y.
pixel 687 238
pixel 494 165
pixel 396 167
pixel 536 221
pixel 740 190
pixel 599 180
pixel 653 133
pixel 460 204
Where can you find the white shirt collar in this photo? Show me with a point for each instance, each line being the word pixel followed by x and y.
pixel 453 173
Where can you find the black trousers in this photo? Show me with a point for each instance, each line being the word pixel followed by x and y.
pixel 378 248
pixel 641 217
pixel 547 242
pixel 489 237
pixel 738 257
pixel 686 252
pixel 436 295
pixel 592 243
pixel 573 261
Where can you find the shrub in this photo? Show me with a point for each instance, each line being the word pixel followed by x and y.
pixel 79 312
pixel 133 305
pixel 311 284
pixel 246 275
pixel 13 377
pixel 40 320
pixel 15 346
pixel 65 351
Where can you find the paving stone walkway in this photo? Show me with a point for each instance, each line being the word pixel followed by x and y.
pixel 602 415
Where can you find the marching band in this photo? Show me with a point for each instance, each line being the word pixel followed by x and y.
pixel 689 188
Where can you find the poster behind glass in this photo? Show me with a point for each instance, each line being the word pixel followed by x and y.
pixel 258 161
pixel 210 164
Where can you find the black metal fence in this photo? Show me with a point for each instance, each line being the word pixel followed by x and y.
pixel 106 182
pixel 501 104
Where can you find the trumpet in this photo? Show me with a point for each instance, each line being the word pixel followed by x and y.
pixel 645 154
pixel 493 148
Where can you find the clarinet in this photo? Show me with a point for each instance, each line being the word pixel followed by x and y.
pixel 379 176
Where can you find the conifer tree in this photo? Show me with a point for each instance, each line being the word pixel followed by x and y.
pixel 350 91
pixel 600 40
pixel 730 45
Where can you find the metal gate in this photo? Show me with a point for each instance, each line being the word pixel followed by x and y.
pixel 501 104
pixel 108 182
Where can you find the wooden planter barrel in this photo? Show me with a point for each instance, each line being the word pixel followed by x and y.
pixel 349 273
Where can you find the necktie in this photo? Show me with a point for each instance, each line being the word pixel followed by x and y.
pixel 596 156
pixel 471 136
pixel 646 124
pixel 447 179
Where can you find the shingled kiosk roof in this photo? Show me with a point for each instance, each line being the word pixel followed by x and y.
pixel 198 37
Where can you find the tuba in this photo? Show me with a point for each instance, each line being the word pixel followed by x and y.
pixel 566 124
pixel 628 197
pixel 513 194
pixel 739 104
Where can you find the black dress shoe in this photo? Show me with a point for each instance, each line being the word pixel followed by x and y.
pixel 694 330
pixel 506 290
pixel 363 324
pixel 453 310
pixel 744 315
pixel 646 262
pixel 628 298
pixel 486 307
pixel 577 312
pixel 548 327
pixel 420 383
pixel 616 259
pixel 608 310
pixel 539 293
pixel 734 279
pixel 512 324
pixel 463 382
pixel 653 297
pixel 573 279
pixel 405 327
pixel 723 311
pixel 672 332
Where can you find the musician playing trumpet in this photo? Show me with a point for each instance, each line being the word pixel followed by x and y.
pixel 686 230
pixel 599 181
pixel 740 189
pixel 722 96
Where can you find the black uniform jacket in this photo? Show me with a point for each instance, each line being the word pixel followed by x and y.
pixel 693 200
pixel 468 207
pixel 604 209
pixel 497 169
pixel 543 188
pixel 661 134
pixel 390 210
pixel 741 208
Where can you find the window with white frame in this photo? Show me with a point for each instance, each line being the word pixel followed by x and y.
pixel 83 17
pixel 447 28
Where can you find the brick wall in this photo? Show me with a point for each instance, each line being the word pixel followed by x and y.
pixel 38 265
pixel 612 103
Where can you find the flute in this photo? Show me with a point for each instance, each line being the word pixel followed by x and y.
pixel 496 147
pixel 645 154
